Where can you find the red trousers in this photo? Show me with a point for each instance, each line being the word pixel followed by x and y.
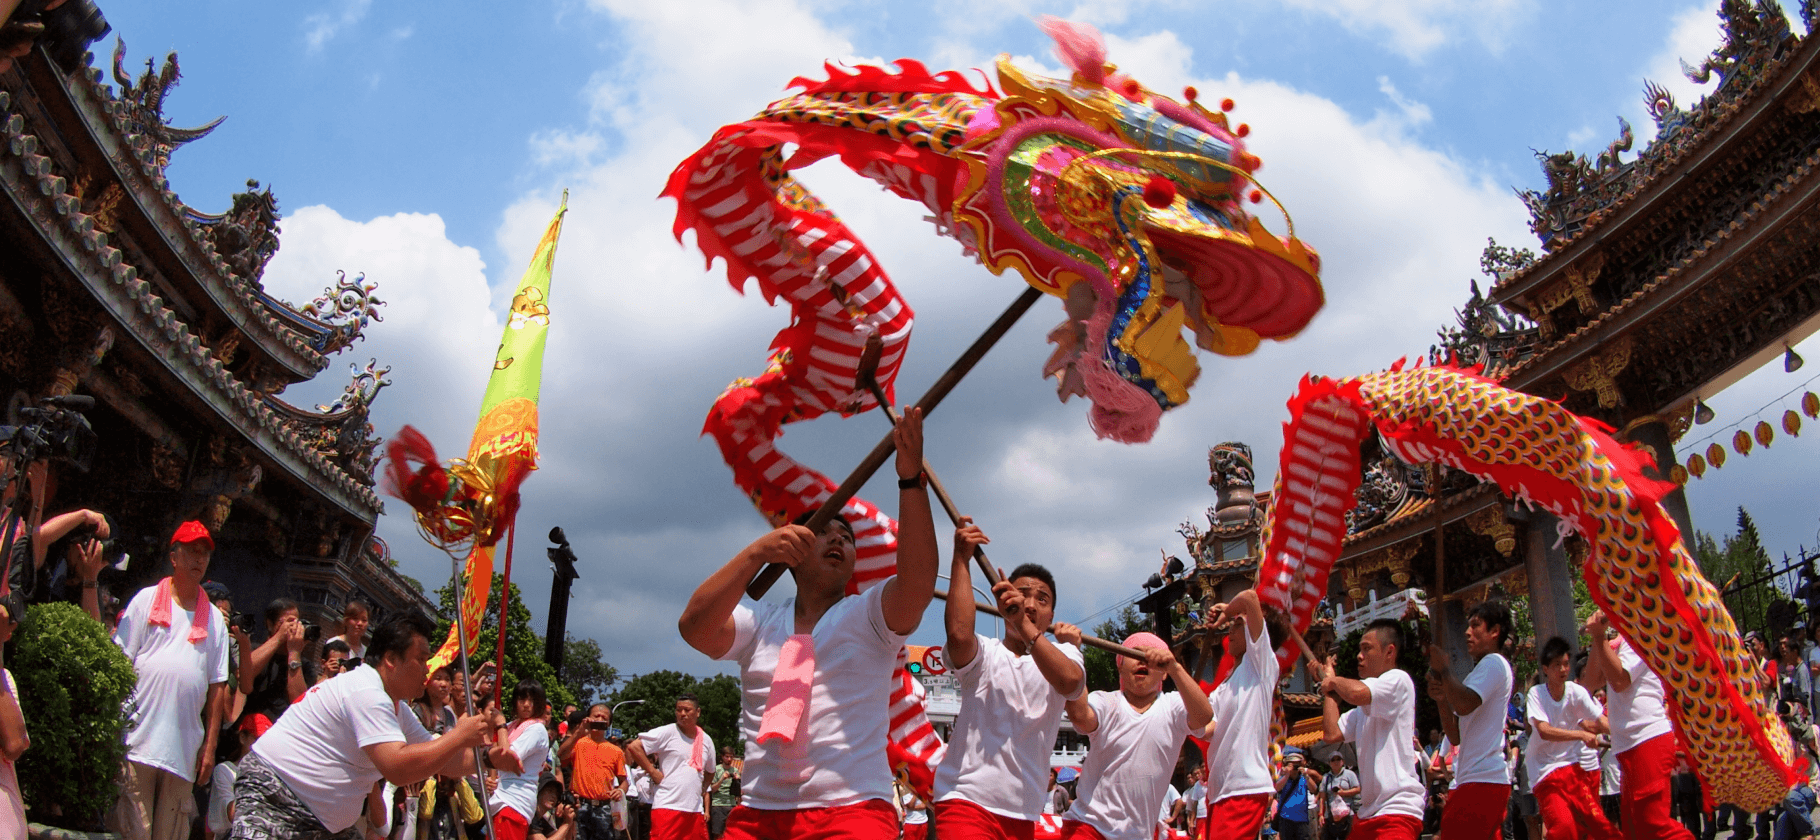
pixel 1075 830
pixel 508 824
pixel 963 820
pixel 1475 812
pixel 873 819
pixel 1236 816
pixel 1570 807
pixel 1644 809
pixel 677 825
pixel 1386 827
pixel 916 831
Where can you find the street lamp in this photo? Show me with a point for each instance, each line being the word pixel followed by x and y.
pixel 562 568
pixel 985 596
pixel 614 712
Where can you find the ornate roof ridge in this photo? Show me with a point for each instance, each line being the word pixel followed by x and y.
pixel 240 298
pixel 1700 125
pixel 1756 208
pixel 1418 505
pixel 132 301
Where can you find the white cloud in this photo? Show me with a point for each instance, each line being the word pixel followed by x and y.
pixel 320 27
pixel 1415 28
pixel 560 147
pixel 1410 113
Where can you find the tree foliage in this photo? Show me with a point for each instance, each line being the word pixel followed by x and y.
pixel 75 682
pixel 585 673
pixel 718 695
pixel 524 646
pixel 1741 559
pixel 1101 666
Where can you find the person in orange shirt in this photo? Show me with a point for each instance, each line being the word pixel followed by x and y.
pixel 600 773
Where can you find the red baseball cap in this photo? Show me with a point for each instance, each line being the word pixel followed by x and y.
pixel 192 531
pixel 256 724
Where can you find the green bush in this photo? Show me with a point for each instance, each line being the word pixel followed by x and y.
pixel 73 686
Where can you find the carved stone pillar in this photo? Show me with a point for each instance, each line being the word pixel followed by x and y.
pixel 1551 582
pixel 1658 434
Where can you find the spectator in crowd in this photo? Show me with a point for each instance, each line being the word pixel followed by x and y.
pixel 1294 788
pixel 568 712
pixel 178 643
pixel 1057 800
pixel 598 778
pixel 275 674
pixel 1381 727
pixel 1796 820
pixel 1640 732
pixel 13 742
pixel 309 775
pixel 1472 714
pixel 1685 794
pixel 555 818
pixel 220 814
pixel 354 617
pixel 1012 696
pixel 1339 798
pixel 528 742
pixel 334 655
pixel 637 804
pixel 680 776
pixel 826 765
pixel 1141 729
pixel 915 813
pixel 1196 795
pixel 1172 808
pixel 723 792
pixel 1793 682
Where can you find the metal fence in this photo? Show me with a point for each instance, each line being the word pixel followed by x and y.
pixel 1777 600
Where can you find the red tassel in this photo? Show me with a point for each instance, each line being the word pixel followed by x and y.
pixel 1256 196
pixel 1244 129
pixel 1190 94
pixel 1160 192
pixel 1227 104
pixel 412 472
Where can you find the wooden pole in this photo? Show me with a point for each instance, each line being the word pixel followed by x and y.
pixel 876 458
pixel 1090 641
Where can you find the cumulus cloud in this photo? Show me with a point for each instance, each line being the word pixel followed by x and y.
pixel 1415 28
pixel 320 27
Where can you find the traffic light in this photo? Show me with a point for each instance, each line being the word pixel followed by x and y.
pixel 915 668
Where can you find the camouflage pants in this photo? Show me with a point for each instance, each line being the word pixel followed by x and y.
pixel 265 808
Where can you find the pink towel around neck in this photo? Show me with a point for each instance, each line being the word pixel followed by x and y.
pixel 698 751
pixel 787 709
pixel 161 611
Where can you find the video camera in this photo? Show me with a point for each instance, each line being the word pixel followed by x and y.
pixel 55 429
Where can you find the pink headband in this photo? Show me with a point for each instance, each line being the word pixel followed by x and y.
pixel 1145 640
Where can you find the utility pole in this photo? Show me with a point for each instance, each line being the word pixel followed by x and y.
pixel 562 566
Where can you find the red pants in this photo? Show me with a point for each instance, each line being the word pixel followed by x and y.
pixel 1236 816
pixel 916 831
pixel 1570 807
pixel 677 825
pixel 1386 827
pixel 1075 830
pixel 1474 811
pixel 510 825
pixel 1646 770
pixel 873 819
pixel 963 820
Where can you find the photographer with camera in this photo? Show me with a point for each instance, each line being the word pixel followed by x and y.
pixel 178 644
pixel 54 430
pixel 555 818
pixel 600 772
pixel 273 682
pixel 310 774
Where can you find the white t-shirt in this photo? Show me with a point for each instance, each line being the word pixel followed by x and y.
pixel 1198 795
pixel 681 788
pixel 1120 791
pixel 1544 756
pixel 354 652
pixel 1384 731
pixel 518 791
pixel 1637 713
pixel 846 723
pixel 174 679
pixel 638 783
pixel 1481 759
pixel 1238 754
pixel 998 755
pixel 316 746
pixel 1170 797
pixel 221 792
pixel 1610 772
pixel 912 815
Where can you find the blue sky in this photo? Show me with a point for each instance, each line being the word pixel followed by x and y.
pixel 426 145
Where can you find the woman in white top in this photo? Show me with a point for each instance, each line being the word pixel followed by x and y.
pixel 515 800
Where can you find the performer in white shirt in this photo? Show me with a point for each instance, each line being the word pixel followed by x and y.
pixel 1137 735
pixel 686 753
pixel 1559 749
pixel 1641 734
pixel 991 781
pixel 1240 785
pixel 1472 715
pixel 1383 728
pixel 815 670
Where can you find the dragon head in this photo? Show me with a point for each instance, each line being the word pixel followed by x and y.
pixel 1130 206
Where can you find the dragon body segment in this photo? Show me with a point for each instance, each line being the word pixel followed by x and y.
pixel 1638 567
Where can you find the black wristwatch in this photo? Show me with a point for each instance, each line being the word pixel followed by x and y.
pixel 915 482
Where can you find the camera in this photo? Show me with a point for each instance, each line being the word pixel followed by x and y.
pixel 312 632
pixel 597 724
pixel 56 430
pixel 244 621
